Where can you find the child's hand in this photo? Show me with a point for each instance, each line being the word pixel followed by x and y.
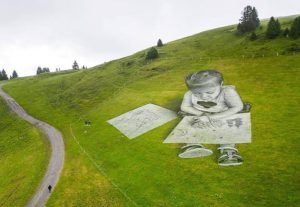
pixel 216 123
pixel 199 118
pixel 199 121
pixel 206 122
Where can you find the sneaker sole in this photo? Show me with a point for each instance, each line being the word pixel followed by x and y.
pixel 230 164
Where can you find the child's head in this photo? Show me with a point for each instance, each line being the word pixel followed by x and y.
pixel 205 84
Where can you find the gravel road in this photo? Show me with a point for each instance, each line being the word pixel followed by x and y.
pixel 57 152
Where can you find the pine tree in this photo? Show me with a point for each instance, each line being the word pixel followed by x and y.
pixel 4 75
pixel 159 43
pixel 249 20
pixel 295 28
pixel 1 77
pixel 152 54
pixel 278 27
pixel 14 74
pixel 273 28
pixel 39 70
pixel 45 70
pixel 75 66
pixel 254 18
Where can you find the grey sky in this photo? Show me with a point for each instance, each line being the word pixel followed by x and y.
pixel 54 33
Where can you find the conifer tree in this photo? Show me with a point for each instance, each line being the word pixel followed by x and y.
pixel 254 18
pixel 159 43
pixel 45 70
pixel 4 75
pixel 75 66
pixel 295 28
pixel 249 20
pixel 273 28
pixel 14 74
pixel 39 70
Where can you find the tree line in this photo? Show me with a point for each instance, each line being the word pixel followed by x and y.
pixel 75 66
pixel 249 22
pixel 42 70
pixel 3 75
pixel 274 29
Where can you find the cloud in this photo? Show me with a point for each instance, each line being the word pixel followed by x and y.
pixel 54 33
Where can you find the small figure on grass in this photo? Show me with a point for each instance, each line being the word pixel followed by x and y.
pixel 87 123
pixel 208 98
pixel 50 188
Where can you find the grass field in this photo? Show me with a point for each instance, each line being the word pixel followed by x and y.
pixel 104 168
pixel 24 154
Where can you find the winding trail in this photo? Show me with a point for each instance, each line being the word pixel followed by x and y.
pixel 57 155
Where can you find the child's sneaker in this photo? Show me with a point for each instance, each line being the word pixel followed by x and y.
pixel 194 150
pixel 229 157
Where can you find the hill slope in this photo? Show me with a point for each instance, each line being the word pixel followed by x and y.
pixel 24 155
pixel 105 168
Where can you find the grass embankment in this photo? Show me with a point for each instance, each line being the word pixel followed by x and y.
pixel 24 155
pixel 105 168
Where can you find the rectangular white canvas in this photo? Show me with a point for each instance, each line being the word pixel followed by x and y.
pixel 233 129
pixel 141 120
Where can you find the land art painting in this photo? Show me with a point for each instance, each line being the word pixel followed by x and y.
pixel 141 120
pixel 233 129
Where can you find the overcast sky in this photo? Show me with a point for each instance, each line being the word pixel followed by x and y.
pixel 54 33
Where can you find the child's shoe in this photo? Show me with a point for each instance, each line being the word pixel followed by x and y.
pixel 194 150
pixel 229 157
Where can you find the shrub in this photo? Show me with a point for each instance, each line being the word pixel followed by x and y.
pixel 293 48
pixel 152 54
pixel 286 32
pixel 253 36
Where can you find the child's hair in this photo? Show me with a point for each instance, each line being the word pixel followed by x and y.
pixel 204 79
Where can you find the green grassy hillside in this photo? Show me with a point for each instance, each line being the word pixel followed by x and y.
pixel 104 168
pixel 24 155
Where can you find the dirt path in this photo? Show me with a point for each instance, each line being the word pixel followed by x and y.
pixel 57 152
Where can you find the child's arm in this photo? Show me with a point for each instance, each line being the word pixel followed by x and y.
pixel 234 103
pixel 187 105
